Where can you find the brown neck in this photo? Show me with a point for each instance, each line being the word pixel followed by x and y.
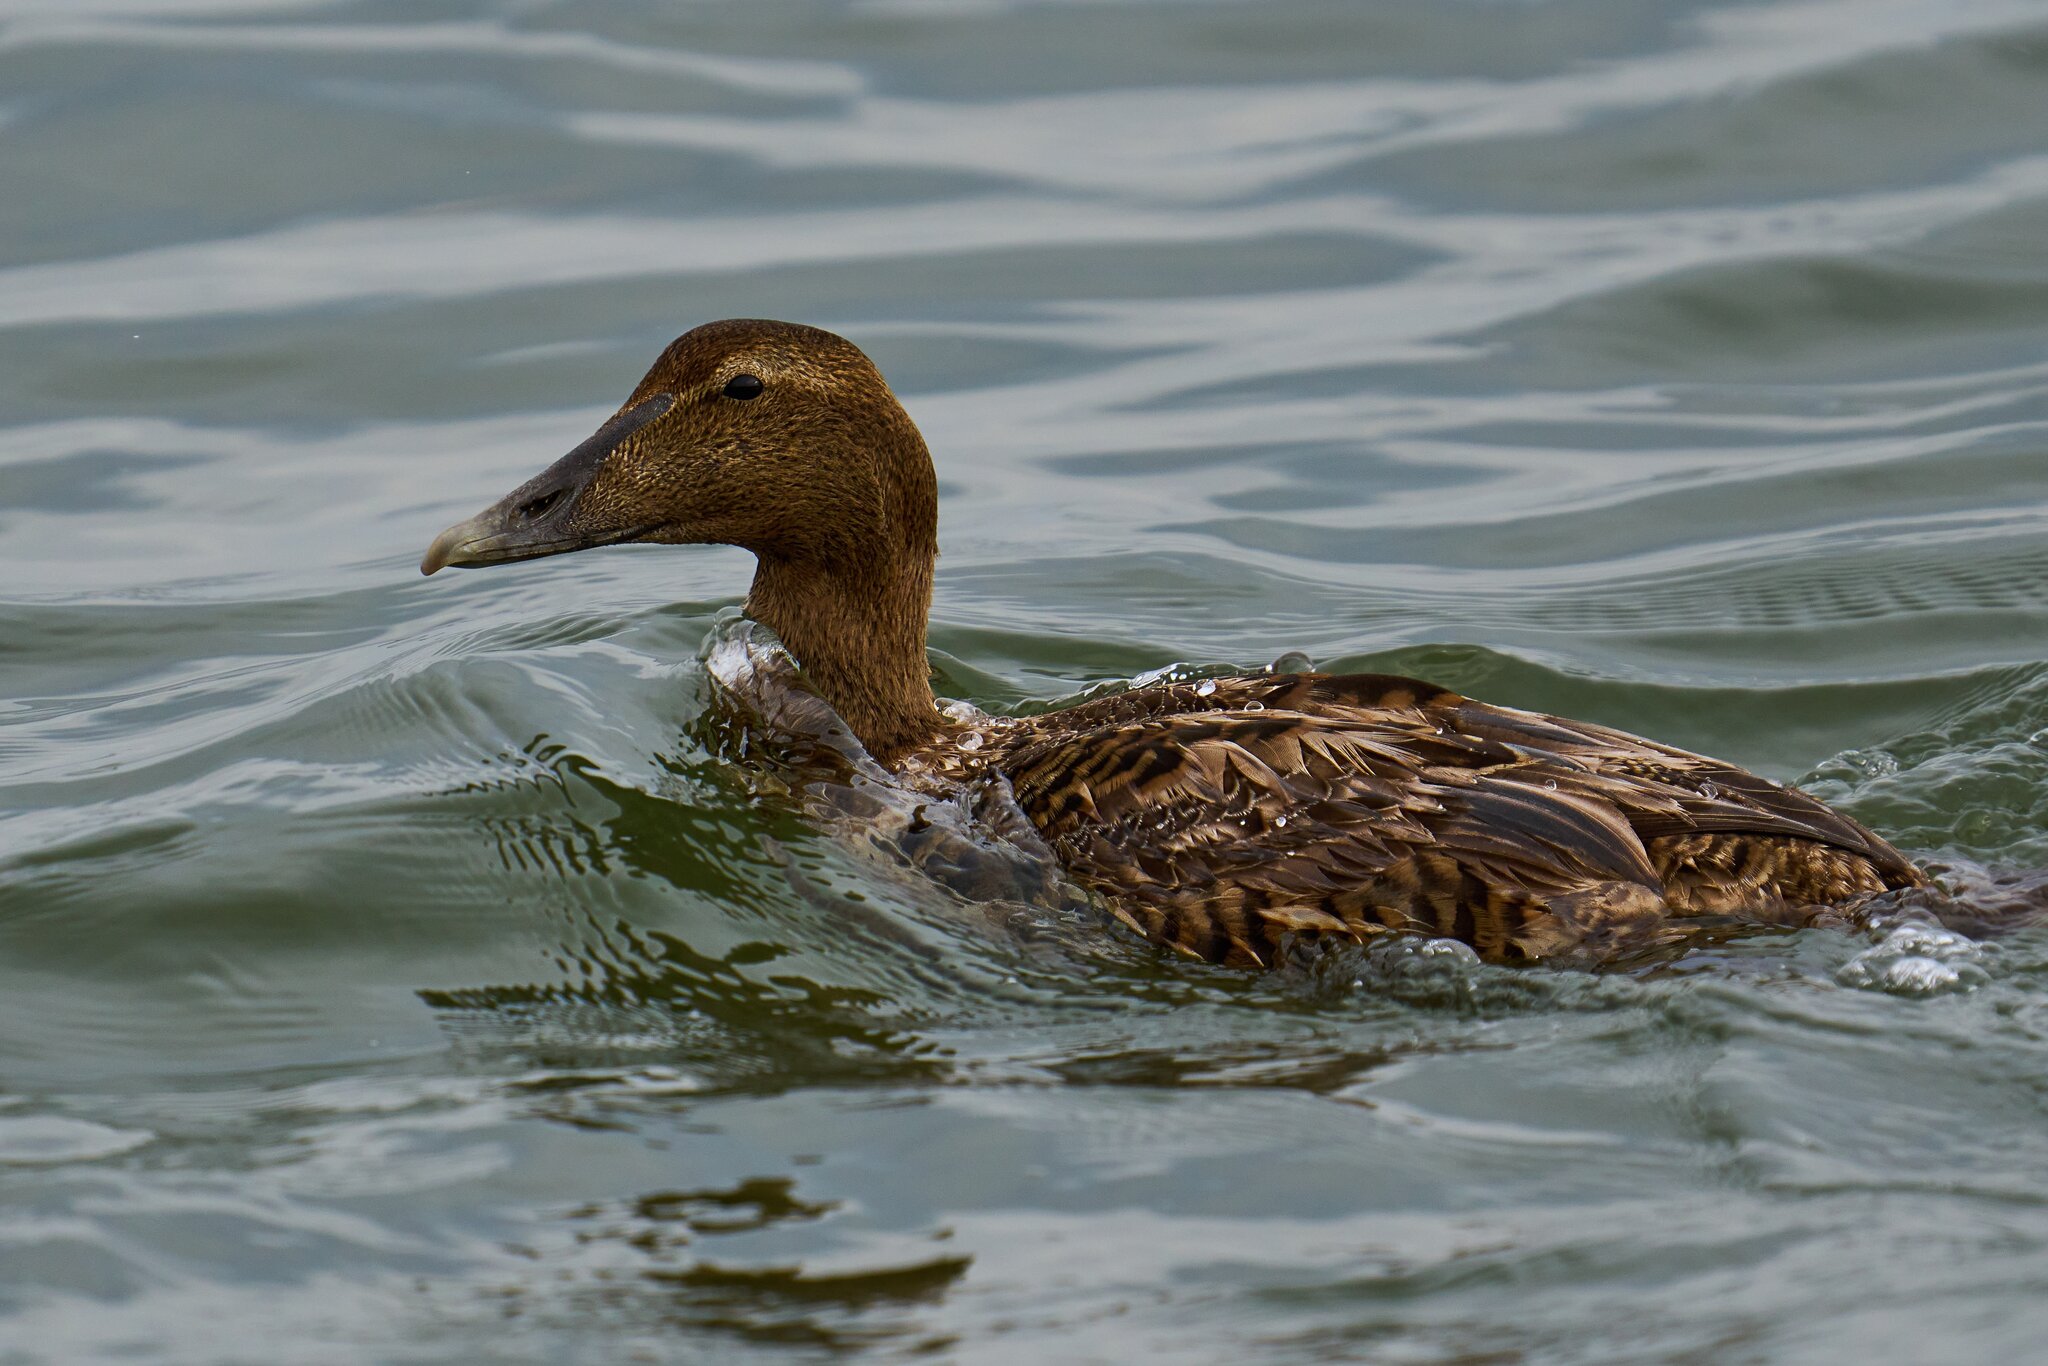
pixel 859 638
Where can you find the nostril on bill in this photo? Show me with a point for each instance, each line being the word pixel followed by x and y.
pixel 540 506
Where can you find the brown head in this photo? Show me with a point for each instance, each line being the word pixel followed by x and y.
pixel 783 440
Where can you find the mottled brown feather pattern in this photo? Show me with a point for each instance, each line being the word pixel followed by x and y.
pixel 1219 818
pixel 1226 818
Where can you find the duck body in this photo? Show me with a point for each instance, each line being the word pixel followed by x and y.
pixel 1223 818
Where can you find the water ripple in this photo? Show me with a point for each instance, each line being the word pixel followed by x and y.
pixel 408 968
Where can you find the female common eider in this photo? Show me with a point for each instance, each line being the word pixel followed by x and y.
pixel 1218 817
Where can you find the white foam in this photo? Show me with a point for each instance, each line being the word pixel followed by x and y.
pixel 1917 958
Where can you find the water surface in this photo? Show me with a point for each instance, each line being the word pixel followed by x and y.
pixel 396 970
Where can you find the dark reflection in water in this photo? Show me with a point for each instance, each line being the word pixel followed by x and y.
pixel 670 1275
pixel 735 1026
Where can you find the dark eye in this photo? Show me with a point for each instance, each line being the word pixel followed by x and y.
pixel 743 387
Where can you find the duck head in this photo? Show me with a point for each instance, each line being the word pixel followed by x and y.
pixel 783 440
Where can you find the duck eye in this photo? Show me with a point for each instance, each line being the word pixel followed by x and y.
pixel 743 387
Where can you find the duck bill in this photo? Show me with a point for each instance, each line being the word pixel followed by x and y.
pixel 545 515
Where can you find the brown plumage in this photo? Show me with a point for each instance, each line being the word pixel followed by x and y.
pixel 1224 818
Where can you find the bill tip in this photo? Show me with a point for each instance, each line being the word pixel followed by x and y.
pixel 443 548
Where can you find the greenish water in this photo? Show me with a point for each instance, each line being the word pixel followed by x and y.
pixel 391 970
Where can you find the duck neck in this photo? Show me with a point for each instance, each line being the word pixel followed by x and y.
pixel 858 636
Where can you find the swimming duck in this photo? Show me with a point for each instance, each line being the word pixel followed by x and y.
pixel 1226 818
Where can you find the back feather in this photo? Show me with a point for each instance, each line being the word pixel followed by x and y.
pixel 1221 818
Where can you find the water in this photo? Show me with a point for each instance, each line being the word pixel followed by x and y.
pixel 398 971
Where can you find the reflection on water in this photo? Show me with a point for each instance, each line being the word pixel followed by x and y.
pixel 654 1262
pixel 413 971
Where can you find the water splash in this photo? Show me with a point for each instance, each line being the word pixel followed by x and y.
pixel 970 838
pixel 1916 957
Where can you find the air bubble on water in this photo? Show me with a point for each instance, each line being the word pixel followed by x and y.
pixel 1915 958
pixel 1878 763
pixel 1916 976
